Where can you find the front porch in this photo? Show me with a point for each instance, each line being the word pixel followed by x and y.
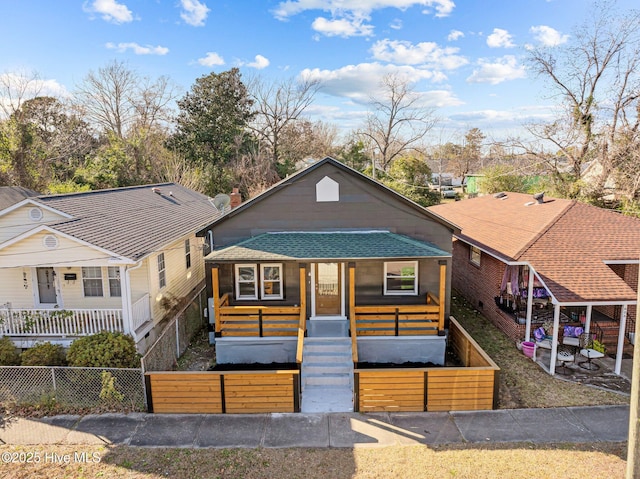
pixel 26 326
pixel 283 329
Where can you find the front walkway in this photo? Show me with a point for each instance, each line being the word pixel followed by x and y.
pixel 552 425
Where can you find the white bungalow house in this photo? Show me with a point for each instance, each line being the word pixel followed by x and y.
pixel 75 264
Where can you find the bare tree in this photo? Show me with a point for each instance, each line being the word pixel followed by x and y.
pixel 117 99
pixel 596 81
pixel 16 88
pixel 277 106
pixel 397 122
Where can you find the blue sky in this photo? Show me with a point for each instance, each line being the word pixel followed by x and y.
pixel 466 57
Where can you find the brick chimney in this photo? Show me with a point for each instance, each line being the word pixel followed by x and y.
pixel 236 198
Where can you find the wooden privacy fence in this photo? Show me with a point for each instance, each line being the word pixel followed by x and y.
pixel 473 386
pixel 223 392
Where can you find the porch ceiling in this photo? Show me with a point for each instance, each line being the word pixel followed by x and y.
pixel 316 246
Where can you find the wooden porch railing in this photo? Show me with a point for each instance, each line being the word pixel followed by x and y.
pixel 59 322
pixel 397 320
pixel 260 321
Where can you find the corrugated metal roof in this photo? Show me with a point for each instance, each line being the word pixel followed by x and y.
pixel 132 222
pixel 298 246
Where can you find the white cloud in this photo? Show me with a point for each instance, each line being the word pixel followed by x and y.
pixel 455 35
pixel 194 12
pixel 138 49
pixel 547 36
pixel 21 86
pixel 259 63
pixel 360 82
pixel 342 27
pixel 349 17
pixel 290 8
pixel 425 53
pixel 500 38
pixel 211 59
pixel 522 114
pixel 396 24
pixel 502 69
pixel 110 10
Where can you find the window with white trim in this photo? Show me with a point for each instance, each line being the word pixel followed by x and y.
pixel 474 255
pixel 246 281
pixel 271 281
pixel 162 273
pixel 113 272
pixel 401 278
pixel 92 281
pixel 187 253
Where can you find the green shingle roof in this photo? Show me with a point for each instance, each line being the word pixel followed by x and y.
pixel 296 246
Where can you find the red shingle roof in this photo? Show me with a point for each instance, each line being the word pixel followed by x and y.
pixel 568 243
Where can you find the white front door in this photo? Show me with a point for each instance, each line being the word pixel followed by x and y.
pixel 46 279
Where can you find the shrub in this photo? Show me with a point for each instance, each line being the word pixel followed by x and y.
pixel 44 354
pixel 104 350
pixel 8 353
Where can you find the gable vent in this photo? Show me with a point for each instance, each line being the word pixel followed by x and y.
pixel 50 242
pixel 35 214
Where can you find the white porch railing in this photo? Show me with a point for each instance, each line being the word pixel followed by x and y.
pixel 59 322
pixel 141 312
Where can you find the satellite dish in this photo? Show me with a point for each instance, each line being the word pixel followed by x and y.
pixel 220 202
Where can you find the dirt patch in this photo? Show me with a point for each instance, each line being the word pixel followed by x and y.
pixel 200 355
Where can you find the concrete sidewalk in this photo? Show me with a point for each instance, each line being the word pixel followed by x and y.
pixel 572 425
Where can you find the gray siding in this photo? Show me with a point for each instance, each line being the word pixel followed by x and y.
pixel 361 206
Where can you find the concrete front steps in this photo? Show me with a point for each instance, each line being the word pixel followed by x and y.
pixel 327 375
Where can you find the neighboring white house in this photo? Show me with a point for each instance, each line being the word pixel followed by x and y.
pixel 75 264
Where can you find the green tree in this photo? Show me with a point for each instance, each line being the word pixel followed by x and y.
pixel 409 176
pixel 353 154
pixel 212 123
pixel 503 178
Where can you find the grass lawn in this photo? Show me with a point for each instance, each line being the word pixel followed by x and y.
pixel 523 384
pixel 604 460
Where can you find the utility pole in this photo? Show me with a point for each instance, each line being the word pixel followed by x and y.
pixel 633 449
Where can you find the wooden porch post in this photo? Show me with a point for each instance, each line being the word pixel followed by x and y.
pixel 442 294
pixel 554 339
pixel 215 286
pixel 352 311
pixel 303 295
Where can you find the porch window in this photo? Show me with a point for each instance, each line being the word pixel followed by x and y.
pixel 401 278
pixel 162 273
pixel 92 281
pixel 474 255
pixel 271 284
pixel 246 281
pixel 187 253
pixel 114 281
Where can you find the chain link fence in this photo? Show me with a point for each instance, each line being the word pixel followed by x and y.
pixel 108 388
pixel 177 335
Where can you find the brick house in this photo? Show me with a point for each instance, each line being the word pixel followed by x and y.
pixel 583 260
